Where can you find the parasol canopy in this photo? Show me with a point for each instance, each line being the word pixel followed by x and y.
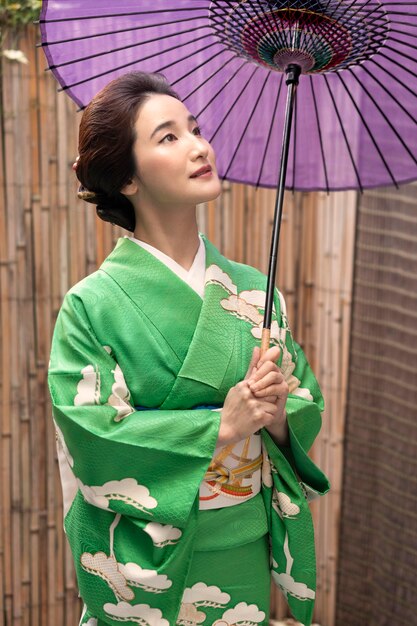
pixel 355 114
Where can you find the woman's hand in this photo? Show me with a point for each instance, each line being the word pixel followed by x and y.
pixel 256 402
pixel 267 382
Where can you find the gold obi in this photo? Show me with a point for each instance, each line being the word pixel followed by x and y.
pixel 234 475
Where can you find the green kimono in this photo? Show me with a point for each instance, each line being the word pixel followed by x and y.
pixel 133 334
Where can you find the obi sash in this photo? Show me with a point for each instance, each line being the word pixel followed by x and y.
pixel 234 475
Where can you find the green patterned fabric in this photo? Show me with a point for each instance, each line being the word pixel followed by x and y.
pixel 217 582
pixel 134 334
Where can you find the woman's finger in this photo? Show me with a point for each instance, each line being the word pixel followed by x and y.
pixel 271 399
pixel 254 360
pixel 270 378
pixel 276 391
pixel 272 354
pixel 263 370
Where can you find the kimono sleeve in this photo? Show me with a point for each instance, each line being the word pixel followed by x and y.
pixel 304 406
pixel 146 464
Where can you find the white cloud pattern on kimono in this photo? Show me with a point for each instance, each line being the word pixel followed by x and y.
pixel 106 567
pixel 286 582
pixel 288 366
pixel 245 306
pixel 120 396
pixel 126 490
pixel 244 613
pixel 91 622
pixel 284 507
pixel 147 579
pixel 189 615
pixel 202 595
pixel 241 309
pixel 277 334
pixel 136 613
pixel 266 468
pixel 162 534
pixel 68 479
pixel 88 388
pixel 216 275
pixel 61 441
pixel 256 297
pixel 289 585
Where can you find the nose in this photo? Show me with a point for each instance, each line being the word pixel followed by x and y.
pixel 200 147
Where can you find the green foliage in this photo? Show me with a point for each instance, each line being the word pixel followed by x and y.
pixel 14 15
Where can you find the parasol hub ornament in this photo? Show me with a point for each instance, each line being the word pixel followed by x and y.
pixel 320 37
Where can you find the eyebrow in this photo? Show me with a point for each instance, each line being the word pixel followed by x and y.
pixel 171 123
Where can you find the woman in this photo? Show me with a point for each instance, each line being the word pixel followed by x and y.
pixel 182 452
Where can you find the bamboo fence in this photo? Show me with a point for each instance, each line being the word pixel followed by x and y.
pixel 48 241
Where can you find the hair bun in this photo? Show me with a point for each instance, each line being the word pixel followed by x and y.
pixel 116 209
pixel 123 216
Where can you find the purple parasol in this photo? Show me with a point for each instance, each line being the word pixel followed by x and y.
pixel 344 72
pixel 354 128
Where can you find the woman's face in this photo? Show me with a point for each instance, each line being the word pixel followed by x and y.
pixel 169 149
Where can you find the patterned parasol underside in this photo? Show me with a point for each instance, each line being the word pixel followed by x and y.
pixel 355 122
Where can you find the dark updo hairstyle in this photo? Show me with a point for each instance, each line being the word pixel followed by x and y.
pixel 107 135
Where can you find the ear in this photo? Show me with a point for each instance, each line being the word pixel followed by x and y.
pixel 130 188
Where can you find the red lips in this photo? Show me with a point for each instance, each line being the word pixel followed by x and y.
pixel 202 170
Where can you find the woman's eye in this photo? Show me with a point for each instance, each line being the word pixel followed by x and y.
pixel 170 135
pixel 197 130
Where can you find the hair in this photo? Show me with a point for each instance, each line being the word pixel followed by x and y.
pixel 106 161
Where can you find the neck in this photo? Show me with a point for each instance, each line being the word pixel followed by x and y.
pixel 175 233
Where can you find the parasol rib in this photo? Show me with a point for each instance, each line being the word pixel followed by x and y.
pixel 129 47
pixel 270 131
pixel 221 88
pixel 359 8
pixel 209 78
pixel 198 67
pixel 403 67
pixel 368 130
pixel 276 31
pixel 413 93
pixel 388 121
pixel 319 133
pixel 403 43
pixel 159 53
pixel 401 32
pixel 234 104
pixel 405 13
pixel 132 29
pixel 375 12
pixel 255 26
pixel 247 125
pixel 76 18
pixel 409 24
pixel 232 5
pixel 184 58
pixel 388 92
pixel 342 128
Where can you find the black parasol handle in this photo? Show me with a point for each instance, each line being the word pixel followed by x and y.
pixel 293 72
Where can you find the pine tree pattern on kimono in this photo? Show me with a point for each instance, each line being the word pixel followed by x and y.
pixel 134 334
